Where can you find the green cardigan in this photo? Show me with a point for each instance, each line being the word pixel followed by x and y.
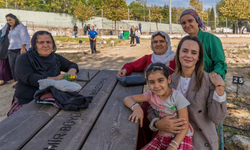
pixel 214 54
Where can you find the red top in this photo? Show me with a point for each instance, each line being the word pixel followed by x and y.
pixel 142 63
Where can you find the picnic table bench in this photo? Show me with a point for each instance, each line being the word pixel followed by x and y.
pixel 103 125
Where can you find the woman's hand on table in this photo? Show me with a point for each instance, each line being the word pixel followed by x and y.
pixel 170 125
pixel 137 115
pixel 122 73
pixel 72 71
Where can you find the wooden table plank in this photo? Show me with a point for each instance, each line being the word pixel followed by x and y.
pixel 17 129
pixel 82 76
pixel 20 127
pixel 68 129
pixel 112 130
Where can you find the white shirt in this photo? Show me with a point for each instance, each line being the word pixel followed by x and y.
pixel 120 30
pixel 19 36
pixel 137 33
pixel 184 85
pixel 95 28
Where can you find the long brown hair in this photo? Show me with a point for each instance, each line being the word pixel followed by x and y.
pixel 198 66
pixel 17 22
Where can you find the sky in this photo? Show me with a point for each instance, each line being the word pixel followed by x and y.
pixel 178 3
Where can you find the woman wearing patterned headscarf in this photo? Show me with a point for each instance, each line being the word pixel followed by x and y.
pixel 162 52
pixel 193 25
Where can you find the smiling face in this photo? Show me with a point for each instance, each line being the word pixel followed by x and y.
pixel 10 21
pixel 160 45
pixel 158 84
pixel 189 54
pixel 189 25
pixel 44 45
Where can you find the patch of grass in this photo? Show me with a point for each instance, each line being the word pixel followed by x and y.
pixel 241 52
pixel 69 39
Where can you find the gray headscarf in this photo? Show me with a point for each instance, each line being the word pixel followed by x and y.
pixel 169 54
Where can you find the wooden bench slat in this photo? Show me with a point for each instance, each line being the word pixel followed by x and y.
pixel 82 75
pixel 113 130
pixel 17 129
pixel 68 130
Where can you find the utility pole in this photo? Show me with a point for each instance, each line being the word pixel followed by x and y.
pixel 170 24
pixel 6 4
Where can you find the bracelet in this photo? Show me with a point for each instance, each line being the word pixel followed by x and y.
pixel 220 86
pixel 175 143
pixel 133 106
pixel 172 146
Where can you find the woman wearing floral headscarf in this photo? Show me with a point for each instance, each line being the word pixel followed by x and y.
pixel 214 53
pixel 162 52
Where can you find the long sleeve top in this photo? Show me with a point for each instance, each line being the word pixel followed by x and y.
pixel 213 53
pixel 137 33
pixel 28 78
pixel 142 63
pixel 18 37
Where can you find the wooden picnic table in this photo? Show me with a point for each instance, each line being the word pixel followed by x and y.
pixel 103 125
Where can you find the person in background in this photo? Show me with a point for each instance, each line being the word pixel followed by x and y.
pixel 75 29
pixel 140 27
pixel 137 36
pixel 85 29
pixel 88 28
pixel 240 27
pixel 132 35
pixel 5 73
pixel 96 28
pixel 40 62
pixel 121 33
pixel 248 27
pixel 19 41
pixel 92 39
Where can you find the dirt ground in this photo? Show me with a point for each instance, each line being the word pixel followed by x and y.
pixel 113 58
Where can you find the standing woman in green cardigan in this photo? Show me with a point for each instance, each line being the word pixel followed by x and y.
pixel 214 55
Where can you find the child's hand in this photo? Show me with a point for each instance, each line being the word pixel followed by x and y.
pixel 137 114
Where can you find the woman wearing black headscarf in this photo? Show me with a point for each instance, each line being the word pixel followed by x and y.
pixel 40 62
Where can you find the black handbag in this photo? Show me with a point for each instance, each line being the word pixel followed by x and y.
pixel 132 80
pixel 4 47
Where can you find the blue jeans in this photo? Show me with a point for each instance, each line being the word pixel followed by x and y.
pixel 75 32
pixel 121 36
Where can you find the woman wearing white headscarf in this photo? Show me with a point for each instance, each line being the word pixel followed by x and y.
pixel 162 52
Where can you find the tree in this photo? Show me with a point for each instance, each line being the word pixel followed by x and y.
pixel 236 9
pixel 220 17
pixel 114 10
pixel 197 5
pixel 211 18
pixel 156 14
pixel 137 10
pixel 83 12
